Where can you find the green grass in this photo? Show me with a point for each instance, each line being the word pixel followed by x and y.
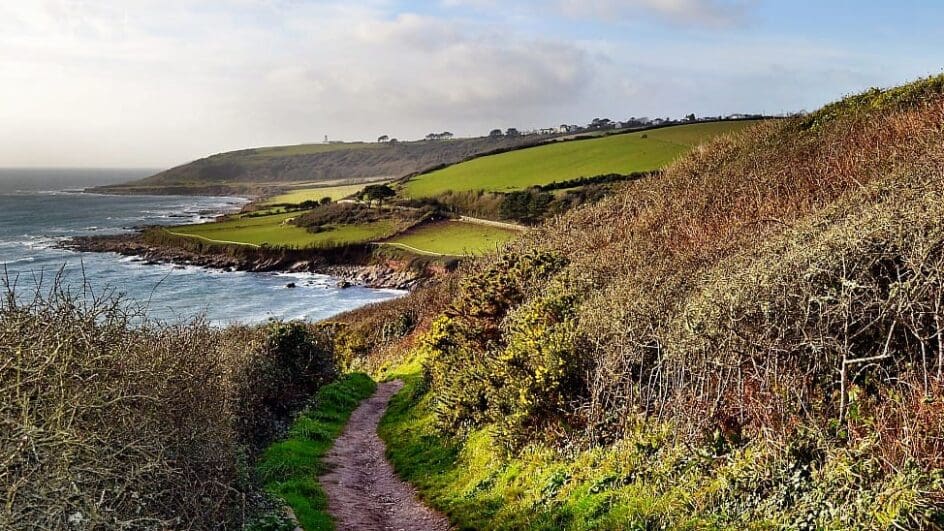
pixel 274 231
pixel 643 482
pixel 454 238
pixel 296 197
pixel 289 469
pixel 519 169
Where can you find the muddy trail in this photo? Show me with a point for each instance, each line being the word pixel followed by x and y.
pixel 364 493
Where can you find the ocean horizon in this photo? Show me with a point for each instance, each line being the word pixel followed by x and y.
pixel 41 207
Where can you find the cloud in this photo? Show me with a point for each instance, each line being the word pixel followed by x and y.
pixel 701 13
pixel 158 83
pixel 708 13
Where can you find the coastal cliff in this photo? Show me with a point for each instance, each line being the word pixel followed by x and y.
pixel 352 265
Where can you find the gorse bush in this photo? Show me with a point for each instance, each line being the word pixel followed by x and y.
pixel 294 360
pixel 489 365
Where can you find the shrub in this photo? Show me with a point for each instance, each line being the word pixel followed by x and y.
pixel 291 364
pixel 110 421
pixel 487 366
pixel 528 205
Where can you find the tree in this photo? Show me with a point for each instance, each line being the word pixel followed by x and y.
pixel 512 132
pixel 496 133
pixel 526 205
pixel 690 117
pixel 325 201
pixel 383 139
pixel 377 192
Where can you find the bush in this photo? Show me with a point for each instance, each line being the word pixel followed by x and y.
pixel 486 365
pixel 110 421
pixel 293 362
pixel 528 205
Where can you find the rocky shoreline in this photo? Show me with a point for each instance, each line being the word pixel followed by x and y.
pixel 382 275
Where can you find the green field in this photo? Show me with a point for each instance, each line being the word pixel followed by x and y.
pixel 453 238
pixel 275 231
pixel 516 170
pixel 315 194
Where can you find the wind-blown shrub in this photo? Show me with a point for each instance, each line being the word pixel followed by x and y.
pixel 759 335
pixel 293 362
pixel 743 293
pixel 109 422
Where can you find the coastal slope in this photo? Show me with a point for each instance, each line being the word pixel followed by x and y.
pixel 752 338
pixel 264 170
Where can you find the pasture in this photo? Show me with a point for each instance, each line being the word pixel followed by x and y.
pixel 453 238
pixel 622 153
pixel 276 231
pixel 296 197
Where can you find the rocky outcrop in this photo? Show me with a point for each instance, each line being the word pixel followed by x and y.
pixel 386 275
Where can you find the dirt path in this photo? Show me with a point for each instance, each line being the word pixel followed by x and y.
pixel 364 493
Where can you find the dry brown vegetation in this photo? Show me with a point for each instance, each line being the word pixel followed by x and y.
pixel 111 421
pixel 759 268
pixel 778 293
pixel 106 425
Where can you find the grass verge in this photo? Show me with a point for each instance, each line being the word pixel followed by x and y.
pixel 289 469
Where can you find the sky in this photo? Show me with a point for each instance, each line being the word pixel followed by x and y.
pixel 155 83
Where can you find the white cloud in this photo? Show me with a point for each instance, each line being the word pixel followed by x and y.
pixel 158 82
pixel 703 13
pixel 710 13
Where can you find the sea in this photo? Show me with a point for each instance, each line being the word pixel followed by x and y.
pixel 41 207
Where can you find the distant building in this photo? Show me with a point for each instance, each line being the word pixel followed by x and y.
pixel 440 136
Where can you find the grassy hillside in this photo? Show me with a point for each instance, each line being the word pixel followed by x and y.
pixel 623 154
pixel 275 230
pixel 453 238
pixel 265 169
pixel 752 340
